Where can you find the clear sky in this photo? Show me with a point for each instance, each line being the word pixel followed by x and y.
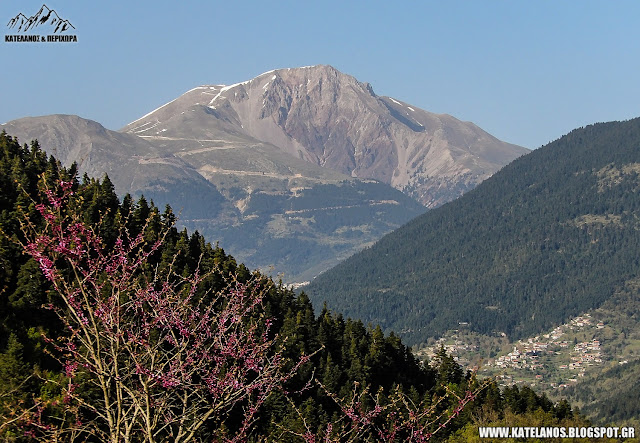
pixel 525 71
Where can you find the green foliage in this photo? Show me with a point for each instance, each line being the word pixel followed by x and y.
pixel 548 237
pixel 612 396
pixel 346 351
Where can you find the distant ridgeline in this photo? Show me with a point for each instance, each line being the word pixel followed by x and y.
pixel 349 351
pixel 551 235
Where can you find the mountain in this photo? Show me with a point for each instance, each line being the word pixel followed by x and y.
pixel 290 171
pixel 330 119
pixel 44 16
pixel 273 211
pixel 552 235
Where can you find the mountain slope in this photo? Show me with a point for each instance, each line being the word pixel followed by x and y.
pixel 553 234
pixel 332 120
pixel 133 164
pixel 611 394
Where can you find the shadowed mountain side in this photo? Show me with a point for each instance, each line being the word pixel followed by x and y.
pixel 548 237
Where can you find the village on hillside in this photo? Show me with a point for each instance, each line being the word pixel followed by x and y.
pixel 530 354
pixel 553 360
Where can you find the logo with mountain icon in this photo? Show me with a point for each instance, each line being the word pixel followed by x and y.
pixel 45 19
pixel 45 16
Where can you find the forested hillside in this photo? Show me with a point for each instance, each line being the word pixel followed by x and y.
pixel 550 236
pixel 348 375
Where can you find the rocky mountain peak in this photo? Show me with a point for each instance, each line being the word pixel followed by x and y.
pixel 333 120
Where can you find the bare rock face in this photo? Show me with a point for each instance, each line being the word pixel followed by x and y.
pixel 323 116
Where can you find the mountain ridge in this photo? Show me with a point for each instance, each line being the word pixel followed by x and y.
pixel 333 120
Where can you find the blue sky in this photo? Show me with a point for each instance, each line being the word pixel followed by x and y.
pixel 525 71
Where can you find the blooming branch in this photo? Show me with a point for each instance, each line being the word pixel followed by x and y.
pixel 166 356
